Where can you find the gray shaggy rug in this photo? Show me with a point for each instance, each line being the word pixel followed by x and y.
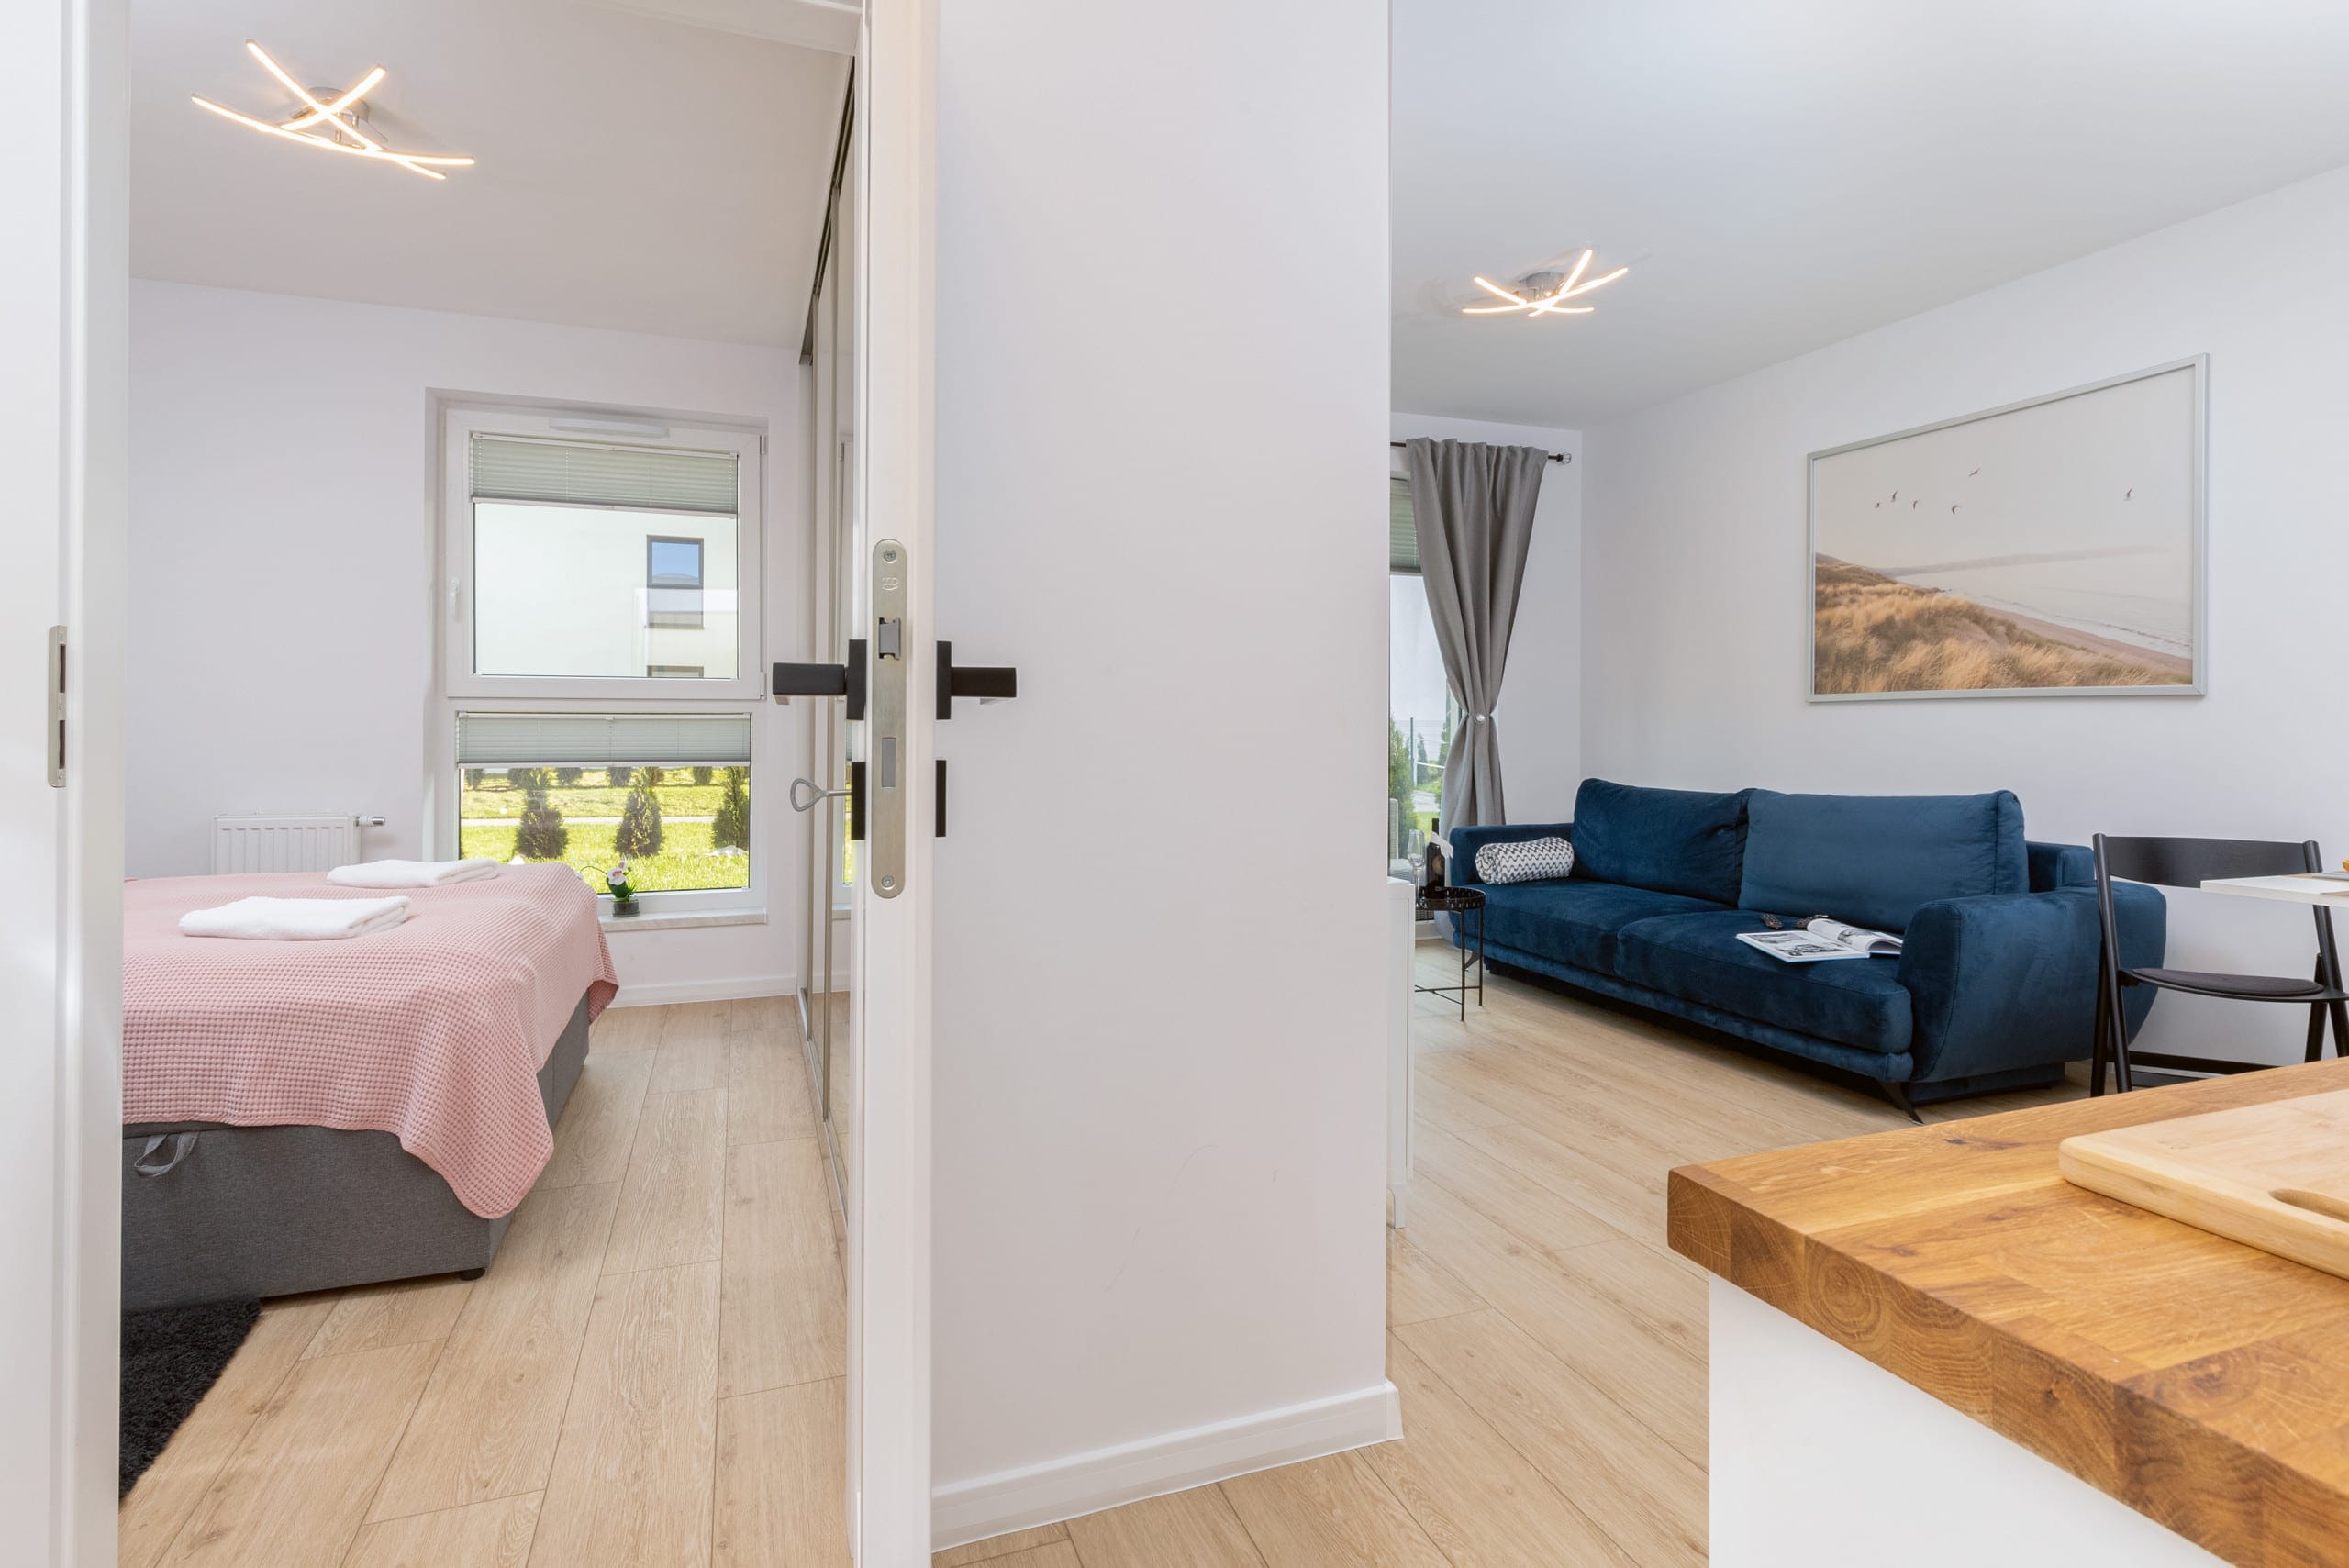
pixel 170 1357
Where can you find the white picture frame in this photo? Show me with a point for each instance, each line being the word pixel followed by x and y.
pixel 2080 572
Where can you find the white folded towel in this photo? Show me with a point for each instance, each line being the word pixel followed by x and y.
pixel 411 873
pixel 297 919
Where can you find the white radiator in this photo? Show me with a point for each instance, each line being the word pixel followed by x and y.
pixel 282 844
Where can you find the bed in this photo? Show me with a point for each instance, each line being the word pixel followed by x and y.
pixel 308 1116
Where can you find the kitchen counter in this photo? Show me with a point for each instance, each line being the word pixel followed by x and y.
pixel 2200 1383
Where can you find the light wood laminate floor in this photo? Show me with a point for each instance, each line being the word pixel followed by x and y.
pixel 1549 1347
pixel 650 1373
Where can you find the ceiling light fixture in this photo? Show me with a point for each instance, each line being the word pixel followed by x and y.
pixel 1543 294
pixel 335 121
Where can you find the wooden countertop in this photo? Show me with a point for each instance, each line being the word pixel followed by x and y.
pixel 2202 1382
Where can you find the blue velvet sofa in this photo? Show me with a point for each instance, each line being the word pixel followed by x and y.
pixel 1996 988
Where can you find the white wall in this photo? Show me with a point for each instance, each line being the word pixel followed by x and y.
pixel 282 593
pixel 1160 1106
pixel 1696 586
pixel 1540 713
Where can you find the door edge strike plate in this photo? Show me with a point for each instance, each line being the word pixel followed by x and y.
pixel 988 683
pixel 886 735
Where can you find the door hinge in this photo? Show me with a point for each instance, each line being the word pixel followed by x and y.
pixel 55 739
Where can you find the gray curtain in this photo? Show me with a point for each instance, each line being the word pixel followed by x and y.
pixel 1474 508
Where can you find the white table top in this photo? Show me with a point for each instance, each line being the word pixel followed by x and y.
pixel 2298 889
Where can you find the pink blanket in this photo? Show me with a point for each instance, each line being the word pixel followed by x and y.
pixel 434 1030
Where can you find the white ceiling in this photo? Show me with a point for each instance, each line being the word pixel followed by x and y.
pixel 1783 175
pixel 636 173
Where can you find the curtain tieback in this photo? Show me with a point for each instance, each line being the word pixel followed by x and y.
pixel 1483 717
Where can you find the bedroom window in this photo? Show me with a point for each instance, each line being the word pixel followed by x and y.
pixel 598 644
pixel 671 792
pixel 583 565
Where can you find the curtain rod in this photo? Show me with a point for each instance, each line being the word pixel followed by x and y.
pixel 1554 457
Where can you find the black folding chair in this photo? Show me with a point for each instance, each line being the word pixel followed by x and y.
pixel 2189 862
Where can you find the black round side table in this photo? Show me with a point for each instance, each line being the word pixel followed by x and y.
pixel 1458 902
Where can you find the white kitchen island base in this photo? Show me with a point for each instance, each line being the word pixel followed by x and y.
pixel 1822 1459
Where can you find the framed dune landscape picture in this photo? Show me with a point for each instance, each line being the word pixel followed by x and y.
pixel 2052 548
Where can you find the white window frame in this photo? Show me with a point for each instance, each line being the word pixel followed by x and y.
pixel 460 691
pixel 460 423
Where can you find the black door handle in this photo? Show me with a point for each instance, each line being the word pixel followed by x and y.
pixel 988 683
pixel 825 680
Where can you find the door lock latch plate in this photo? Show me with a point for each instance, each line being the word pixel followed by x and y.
pixel 885 738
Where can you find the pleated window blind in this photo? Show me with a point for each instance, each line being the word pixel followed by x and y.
pixel 1402 530
pixel 580 474
pixel 603 739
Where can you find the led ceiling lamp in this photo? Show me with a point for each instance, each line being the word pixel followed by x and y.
pixel 336 122
pixel 1543 294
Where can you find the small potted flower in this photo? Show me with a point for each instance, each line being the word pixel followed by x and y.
pixel 623 891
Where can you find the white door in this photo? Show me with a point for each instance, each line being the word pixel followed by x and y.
pixel 63 287
pixel 865 962
pixel 888 1213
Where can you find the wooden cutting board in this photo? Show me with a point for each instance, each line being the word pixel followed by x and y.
pixel 2273 1176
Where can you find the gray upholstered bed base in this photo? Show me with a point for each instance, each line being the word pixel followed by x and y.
pixel 249 1211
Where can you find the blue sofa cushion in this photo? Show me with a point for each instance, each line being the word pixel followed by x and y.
pixel 1572 922
pixel 1680 840
pixel 1875 859
pixel 1858 1002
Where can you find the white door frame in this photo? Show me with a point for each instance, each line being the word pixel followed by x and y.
pixel 889 1240
pixel 65 285
pixel 64 313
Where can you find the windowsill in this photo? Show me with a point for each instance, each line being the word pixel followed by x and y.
pixel 683 920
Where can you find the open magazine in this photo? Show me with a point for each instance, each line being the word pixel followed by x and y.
pixel 1819 939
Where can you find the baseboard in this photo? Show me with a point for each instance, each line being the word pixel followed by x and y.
pixel 965 1511
pixel 728 988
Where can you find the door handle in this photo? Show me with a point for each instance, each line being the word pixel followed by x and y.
pixel 816 794
pixel 825 680
pixel 988 683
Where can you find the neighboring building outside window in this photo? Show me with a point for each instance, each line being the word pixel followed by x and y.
pixel 672 583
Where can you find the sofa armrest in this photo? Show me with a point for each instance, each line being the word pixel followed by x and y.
pixel 1467 841
pixel 2060 865
pixel 2009 981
